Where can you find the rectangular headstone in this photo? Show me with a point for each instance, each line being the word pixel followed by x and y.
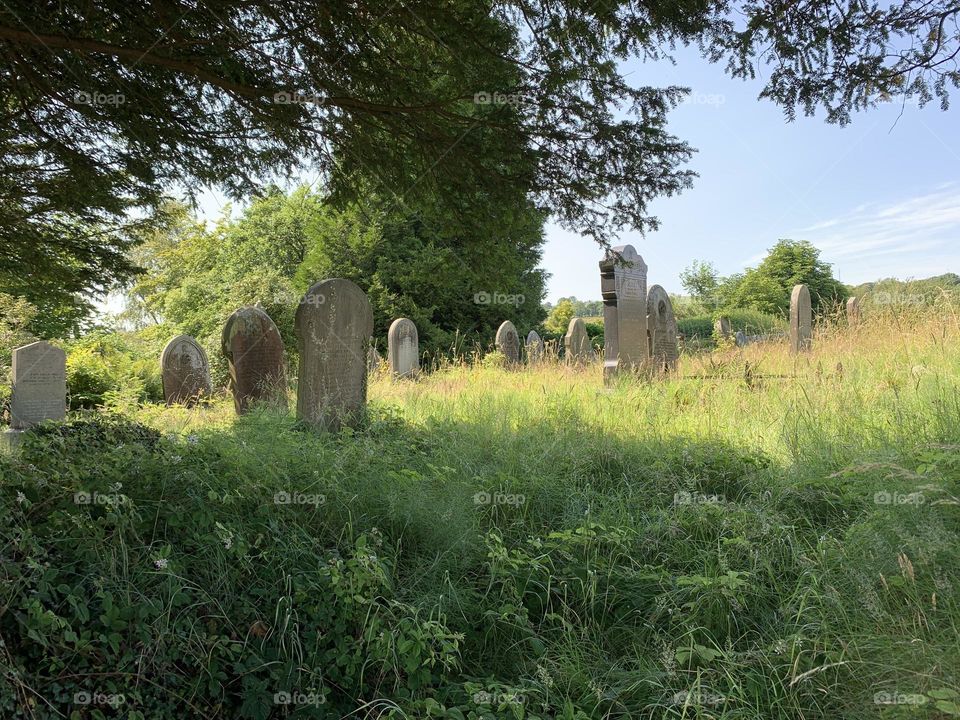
pixel 39 385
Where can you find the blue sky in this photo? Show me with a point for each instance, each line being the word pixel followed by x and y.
pixel 880 197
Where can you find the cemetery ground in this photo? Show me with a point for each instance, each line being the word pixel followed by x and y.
pixel 759 535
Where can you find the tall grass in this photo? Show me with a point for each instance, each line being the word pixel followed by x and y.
pixel 757 535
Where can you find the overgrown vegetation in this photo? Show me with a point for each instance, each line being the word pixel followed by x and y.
pixel 759 536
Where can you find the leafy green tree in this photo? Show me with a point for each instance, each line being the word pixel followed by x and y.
pixel 701 281
pixel 560 316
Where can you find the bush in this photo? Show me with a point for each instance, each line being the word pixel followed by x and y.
pixel 113 369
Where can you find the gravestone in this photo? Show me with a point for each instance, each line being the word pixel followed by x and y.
pixel 800 319
pixel 508 342
pixel 721 328
pixel 39 388
pixel 253 348
pixel 334 324
pixel 576 342
pixel 623 286
pixel 662 326
pixel 185 371
pixel 535 347
pixel 373 358
pixel 853 310
pixel 403 348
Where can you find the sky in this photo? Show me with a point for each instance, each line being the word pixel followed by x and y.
pixel 880 197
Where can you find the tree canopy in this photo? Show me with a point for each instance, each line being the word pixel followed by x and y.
pixel 109 104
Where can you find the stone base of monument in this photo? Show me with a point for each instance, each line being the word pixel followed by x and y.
pixel 10 440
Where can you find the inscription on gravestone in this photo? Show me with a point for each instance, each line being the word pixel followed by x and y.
pixel 334 324
pixel 623 285
pixel 185 371
pixel 662 326
pixel 403 347
pixel 254 351
pixel 39 390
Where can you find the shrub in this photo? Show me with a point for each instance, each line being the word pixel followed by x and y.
pixel 113 369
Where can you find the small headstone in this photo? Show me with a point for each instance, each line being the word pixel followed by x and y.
pixel 39 389
pixel 185 371
pixel 333 324
pixel 801 321
pixel 623 285
pixel 741 339
pixel 508 342
pixel 254 351
pixel 576 342
pixel 535 347
pixel 373 358
pixel 721 327
pixel 662 326
pixel 853 310
pixel 403 348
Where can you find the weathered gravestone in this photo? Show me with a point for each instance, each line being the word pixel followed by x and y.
pixel 333 324
pixel 721 328
pixel 623 285
pixel 254 351
pixel 800 319
pixel 403 348
pixel 535 347
pixel 853 310
pixel 185 371
pixel 373 358
pixel 508 342
pixel 662 327
pixel 576 342
pixel 39 389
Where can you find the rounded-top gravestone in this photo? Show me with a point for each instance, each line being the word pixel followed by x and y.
pixel 185 371
pixel 334 324
pixel 403 348
pixel 801 331
pixel 535 347
pixel 254 351
pixel 576 342
pixel 508 342
pixel 662 327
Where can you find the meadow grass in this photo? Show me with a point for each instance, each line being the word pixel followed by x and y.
pixel 757 535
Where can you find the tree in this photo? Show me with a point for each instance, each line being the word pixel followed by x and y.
pixel 701 281
pixel 106 106
pixel 560 316
pixel 767 287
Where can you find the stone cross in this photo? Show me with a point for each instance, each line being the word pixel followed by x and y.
pixel 623 285
pixel 334 323
pixel 800 319
pixel 403 348
pixel 185 371
pixel 576 342
pixel 535 347
pixel 508 342
pixel 853 310
pixel 662 326
pixel 254 351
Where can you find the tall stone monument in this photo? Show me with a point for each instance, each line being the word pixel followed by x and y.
pixel 254 351
pixel 623 286
pixel 576 342
pixel 801 319
pixel 185 371
pixel 508 342
pixel 334 324
pixel 662 327
pixel 39 390
pixel 403 348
